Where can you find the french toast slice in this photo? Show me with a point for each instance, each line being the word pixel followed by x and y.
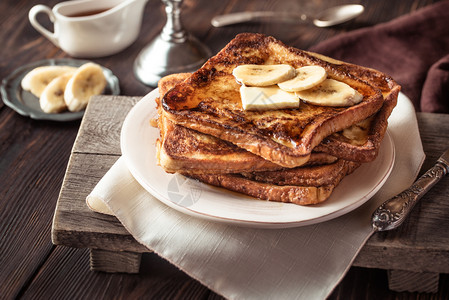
pixel 187 153
pixel 184 149
pixel 209 102
pixel 318 175
pixel 181 148
pixel 310 192
pixel 361 142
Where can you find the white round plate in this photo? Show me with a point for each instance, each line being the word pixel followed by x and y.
pixel 138 144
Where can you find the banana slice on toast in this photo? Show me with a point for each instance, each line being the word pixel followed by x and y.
pixel 87 81
pixel 263 75
pixel 331 93
pixel 306 77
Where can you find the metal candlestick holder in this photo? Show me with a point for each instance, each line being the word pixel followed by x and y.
pixel 173 51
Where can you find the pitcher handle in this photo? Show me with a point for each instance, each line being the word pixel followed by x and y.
pixel 34 11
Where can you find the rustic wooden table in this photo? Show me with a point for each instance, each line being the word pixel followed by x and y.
pixel 34 156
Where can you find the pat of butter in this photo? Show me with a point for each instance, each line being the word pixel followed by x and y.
pixel 267 98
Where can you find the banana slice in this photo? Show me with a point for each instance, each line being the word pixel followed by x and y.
pixel 331 93
pixel 263 75
pixel 37 79
pixel 52 98
pixel 267 98
pixel 358 133
pixel 306 77
pixel 87 81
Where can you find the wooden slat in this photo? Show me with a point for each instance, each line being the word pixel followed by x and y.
pixel 66 275
pixel 30 178
pixel 405 281
pixel 100 133
pixel 391 255
pixel 74 223
pixel 95 150
pixel 115 261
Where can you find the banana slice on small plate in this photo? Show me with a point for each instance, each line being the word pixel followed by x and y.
pixel 38 79
pixel 52 97
pixel 87 81
pixel 27 104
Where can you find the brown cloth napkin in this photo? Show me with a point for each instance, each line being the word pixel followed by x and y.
pixel 413 49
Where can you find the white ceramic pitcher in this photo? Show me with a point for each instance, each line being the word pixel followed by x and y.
pixel 91 28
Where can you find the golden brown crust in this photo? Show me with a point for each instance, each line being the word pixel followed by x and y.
pixel 168 82
pixel 184 149
pixel 209 102
pixel 328 174
pixel 336 145
pixel 180 148
pixel 302 195
pixel 364 150
pixel 339 145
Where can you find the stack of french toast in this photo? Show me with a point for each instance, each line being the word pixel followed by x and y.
pixel 271 121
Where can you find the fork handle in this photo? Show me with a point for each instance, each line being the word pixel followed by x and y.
pixel 394 211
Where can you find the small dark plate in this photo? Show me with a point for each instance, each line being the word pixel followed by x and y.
pixel 27 104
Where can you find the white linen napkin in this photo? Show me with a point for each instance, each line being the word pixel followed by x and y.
pixel 249 263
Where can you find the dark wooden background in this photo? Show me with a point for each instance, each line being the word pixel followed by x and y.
pixel 34 156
